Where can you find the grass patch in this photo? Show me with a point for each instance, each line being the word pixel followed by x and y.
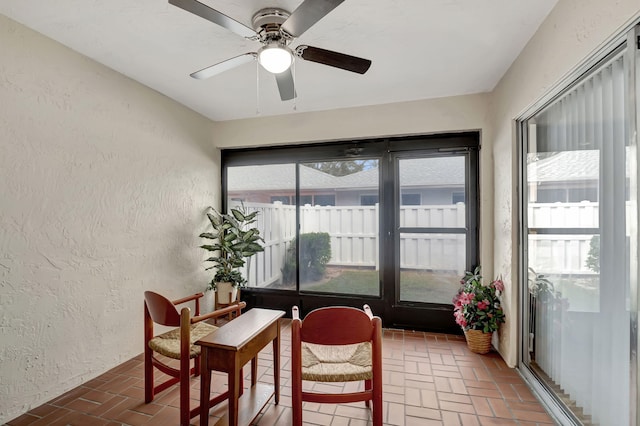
pixel 349 282
pixel 416 286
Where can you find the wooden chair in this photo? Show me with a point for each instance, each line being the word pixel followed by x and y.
pixel 176 344
pixel 337 344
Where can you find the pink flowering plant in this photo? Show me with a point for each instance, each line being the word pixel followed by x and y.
pixel 477 306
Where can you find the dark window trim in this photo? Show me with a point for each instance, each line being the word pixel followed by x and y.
pixel 383 149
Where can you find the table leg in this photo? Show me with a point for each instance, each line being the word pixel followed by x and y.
pixel 276 365
pixel 205 388
pixel 235 382
pixel 254 370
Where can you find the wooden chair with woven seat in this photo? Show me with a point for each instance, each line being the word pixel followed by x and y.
pixel 177 344
pixel 337 344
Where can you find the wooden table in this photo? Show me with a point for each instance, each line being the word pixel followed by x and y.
pixel 228 349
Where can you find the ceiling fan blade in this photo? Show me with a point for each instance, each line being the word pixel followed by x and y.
pixel 333 59
pixel 224 66
pixel 214 16
pixel 308 13
pixel 285 85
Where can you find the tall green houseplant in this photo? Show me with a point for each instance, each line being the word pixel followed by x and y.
pixel 234 242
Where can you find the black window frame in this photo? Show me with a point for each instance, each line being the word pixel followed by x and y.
pixel 384 149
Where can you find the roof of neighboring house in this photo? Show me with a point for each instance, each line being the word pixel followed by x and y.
pixel 564 166
pixel 440 171
pixel 431 172
pixel 276 177
pixel 423 172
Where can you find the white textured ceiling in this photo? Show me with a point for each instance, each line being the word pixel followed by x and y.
pixel 420 49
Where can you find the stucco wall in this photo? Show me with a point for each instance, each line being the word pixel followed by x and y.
pixel 103 184
pixel 417 117
pixel 571 33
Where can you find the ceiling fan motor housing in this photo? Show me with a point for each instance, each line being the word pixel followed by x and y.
pixel 266 22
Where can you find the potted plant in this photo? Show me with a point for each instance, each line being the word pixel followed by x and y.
pixel 477 309
pixel 234 242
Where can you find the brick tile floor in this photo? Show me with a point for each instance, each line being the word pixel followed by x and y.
pixel 429 379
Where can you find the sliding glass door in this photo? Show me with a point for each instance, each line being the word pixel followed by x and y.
pixel 580 245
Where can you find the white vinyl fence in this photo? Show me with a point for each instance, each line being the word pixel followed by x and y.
pixel 556 253
pixel 354 237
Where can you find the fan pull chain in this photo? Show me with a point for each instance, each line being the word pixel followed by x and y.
pixel 257 88
pixel 295 95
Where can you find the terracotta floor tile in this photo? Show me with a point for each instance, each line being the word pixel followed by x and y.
pixel 458 386
pixel 489 393
pixel 411 397
pixel 450 419
pixel 429 399
pixel 453 397
pixel 43 410
pixel 481 405
pixel 457 406
pixel 493 421
pixel 426 413
pixel 469 420
pixel 23 420
pixel 533 416
pixel 428 379
pixel 500 408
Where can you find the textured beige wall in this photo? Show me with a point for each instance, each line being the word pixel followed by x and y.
pixel 570 34
pixel 103 184
pixel 417 117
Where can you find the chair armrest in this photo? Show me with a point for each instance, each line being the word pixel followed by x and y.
pixel 188 298
pixel 220 312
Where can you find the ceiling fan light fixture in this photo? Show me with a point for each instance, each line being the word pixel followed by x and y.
pixel 275 58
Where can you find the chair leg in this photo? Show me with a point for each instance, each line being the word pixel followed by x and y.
pixel 184 393
pixel 296 374
pixel 185 371
pixel 367 386
pixel 377 406
pixel 148 376
pixel 296 401
pixel 196 366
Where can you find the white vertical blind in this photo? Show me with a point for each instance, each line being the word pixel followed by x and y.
pixel 586 353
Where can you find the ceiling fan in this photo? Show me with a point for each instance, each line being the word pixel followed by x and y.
pixel 276 28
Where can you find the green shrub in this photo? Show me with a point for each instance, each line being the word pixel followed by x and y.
pixel 593 258
pixel 315 253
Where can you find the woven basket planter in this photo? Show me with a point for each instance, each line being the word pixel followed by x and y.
pixel 478 341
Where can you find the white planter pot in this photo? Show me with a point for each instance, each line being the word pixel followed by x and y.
pixel 226 292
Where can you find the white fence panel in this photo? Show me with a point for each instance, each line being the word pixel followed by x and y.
pixel 563 215
pixel 433 216
pixel 442 252
pixel 353 231
pixel 354 236
pixel 560 254
pixel 277 225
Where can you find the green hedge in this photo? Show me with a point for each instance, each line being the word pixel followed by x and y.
pixel 315 253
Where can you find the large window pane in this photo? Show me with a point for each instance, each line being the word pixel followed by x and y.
pixel 339 238
pixel 432 251
pixel 269 189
